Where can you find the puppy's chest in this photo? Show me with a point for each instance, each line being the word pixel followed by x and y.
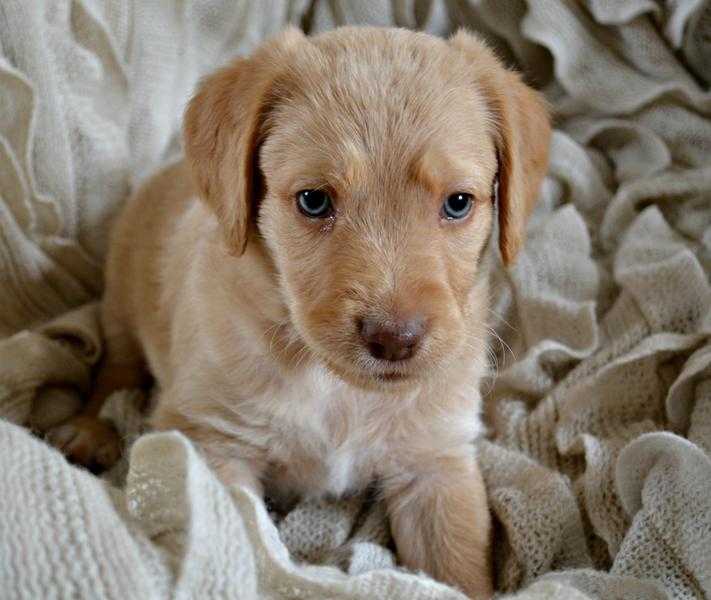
pixel 326 440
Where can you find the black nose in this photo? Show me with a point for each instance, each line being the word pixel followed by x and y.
pixel 392 340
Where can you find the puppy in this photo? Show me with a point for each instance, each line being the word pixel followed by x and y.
pixel 309 290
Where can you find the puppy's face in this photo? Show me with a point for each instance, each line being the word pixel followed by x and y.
pixel 378 205
pixel 375 154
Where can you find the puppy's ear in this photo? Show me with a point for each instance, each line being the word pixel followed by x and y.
pixel 522 134
pixel 222 131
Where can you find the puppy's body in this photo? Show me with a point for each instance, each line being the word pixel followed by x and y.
pixel 214 332
pixel 313 355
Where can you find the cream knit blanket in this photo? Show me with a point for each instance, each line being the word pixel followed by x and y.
pixel 598 466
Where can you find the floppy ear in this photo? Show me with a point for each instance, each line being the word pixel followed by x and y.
pixel 222 131
pixel 522 135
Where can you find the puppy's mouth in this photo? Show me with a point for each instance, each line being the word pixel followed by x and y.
pixel 391 377
pixel 383 374
pixel 370 378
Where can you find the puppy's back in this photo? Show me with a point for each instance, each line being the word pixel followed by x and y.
pixel 136 284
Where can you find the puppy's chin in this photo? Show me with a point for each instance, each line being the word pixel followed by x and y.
pixel 371 380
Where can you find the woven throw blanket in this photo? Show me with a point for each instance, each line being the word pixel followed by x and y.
pixel 598 462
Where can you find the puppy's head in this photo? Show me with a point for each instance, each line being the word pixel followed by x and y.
pixel 367 162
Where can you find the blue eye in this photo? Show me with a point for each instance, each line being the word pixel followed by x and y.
pixel 315 204
pixel 457 206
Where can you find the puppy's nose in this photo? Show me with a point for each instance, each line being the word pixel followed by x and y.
pixel 392 341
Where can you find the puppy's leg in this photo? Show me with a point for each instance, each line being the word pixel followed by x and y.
pixel 441 523
pixel 233 471
pixel 85 439
pixel 233 463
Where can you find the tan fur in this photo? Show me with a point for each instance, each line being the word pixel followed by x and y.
pixel 441 522
pixel 245 310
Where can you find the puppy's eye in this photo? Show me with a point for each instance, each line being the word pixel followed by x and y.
pixel 315 204
pixel 457 206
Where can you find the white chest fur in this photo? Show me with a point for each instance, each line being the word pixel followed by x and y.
pixel 311 433
pixel 317 435
pixel 327 437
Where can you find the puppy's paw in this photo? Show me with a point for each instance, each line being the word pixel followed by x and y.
pixel 87 441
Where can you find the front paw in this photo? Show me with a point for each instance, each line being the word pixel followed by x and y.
pixel 87 441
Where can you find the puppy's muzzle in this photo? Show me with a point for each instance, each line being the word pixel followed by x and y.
pixel 392 340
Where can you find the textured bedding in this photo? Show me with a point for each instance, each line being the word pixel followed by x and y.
pixel 598 459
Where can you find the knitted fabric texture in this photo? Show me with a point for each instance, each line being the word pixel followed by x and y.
pixel 599 406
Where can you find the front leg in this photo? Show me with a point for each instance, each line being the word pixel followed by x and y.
pixel 441 523
pixel 234 465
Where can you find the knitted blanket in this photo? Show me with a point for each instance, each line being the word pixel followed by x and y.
pixel 598 462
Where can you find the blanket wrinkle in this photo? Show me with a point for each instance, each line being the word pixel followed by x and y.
pixel 598 464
